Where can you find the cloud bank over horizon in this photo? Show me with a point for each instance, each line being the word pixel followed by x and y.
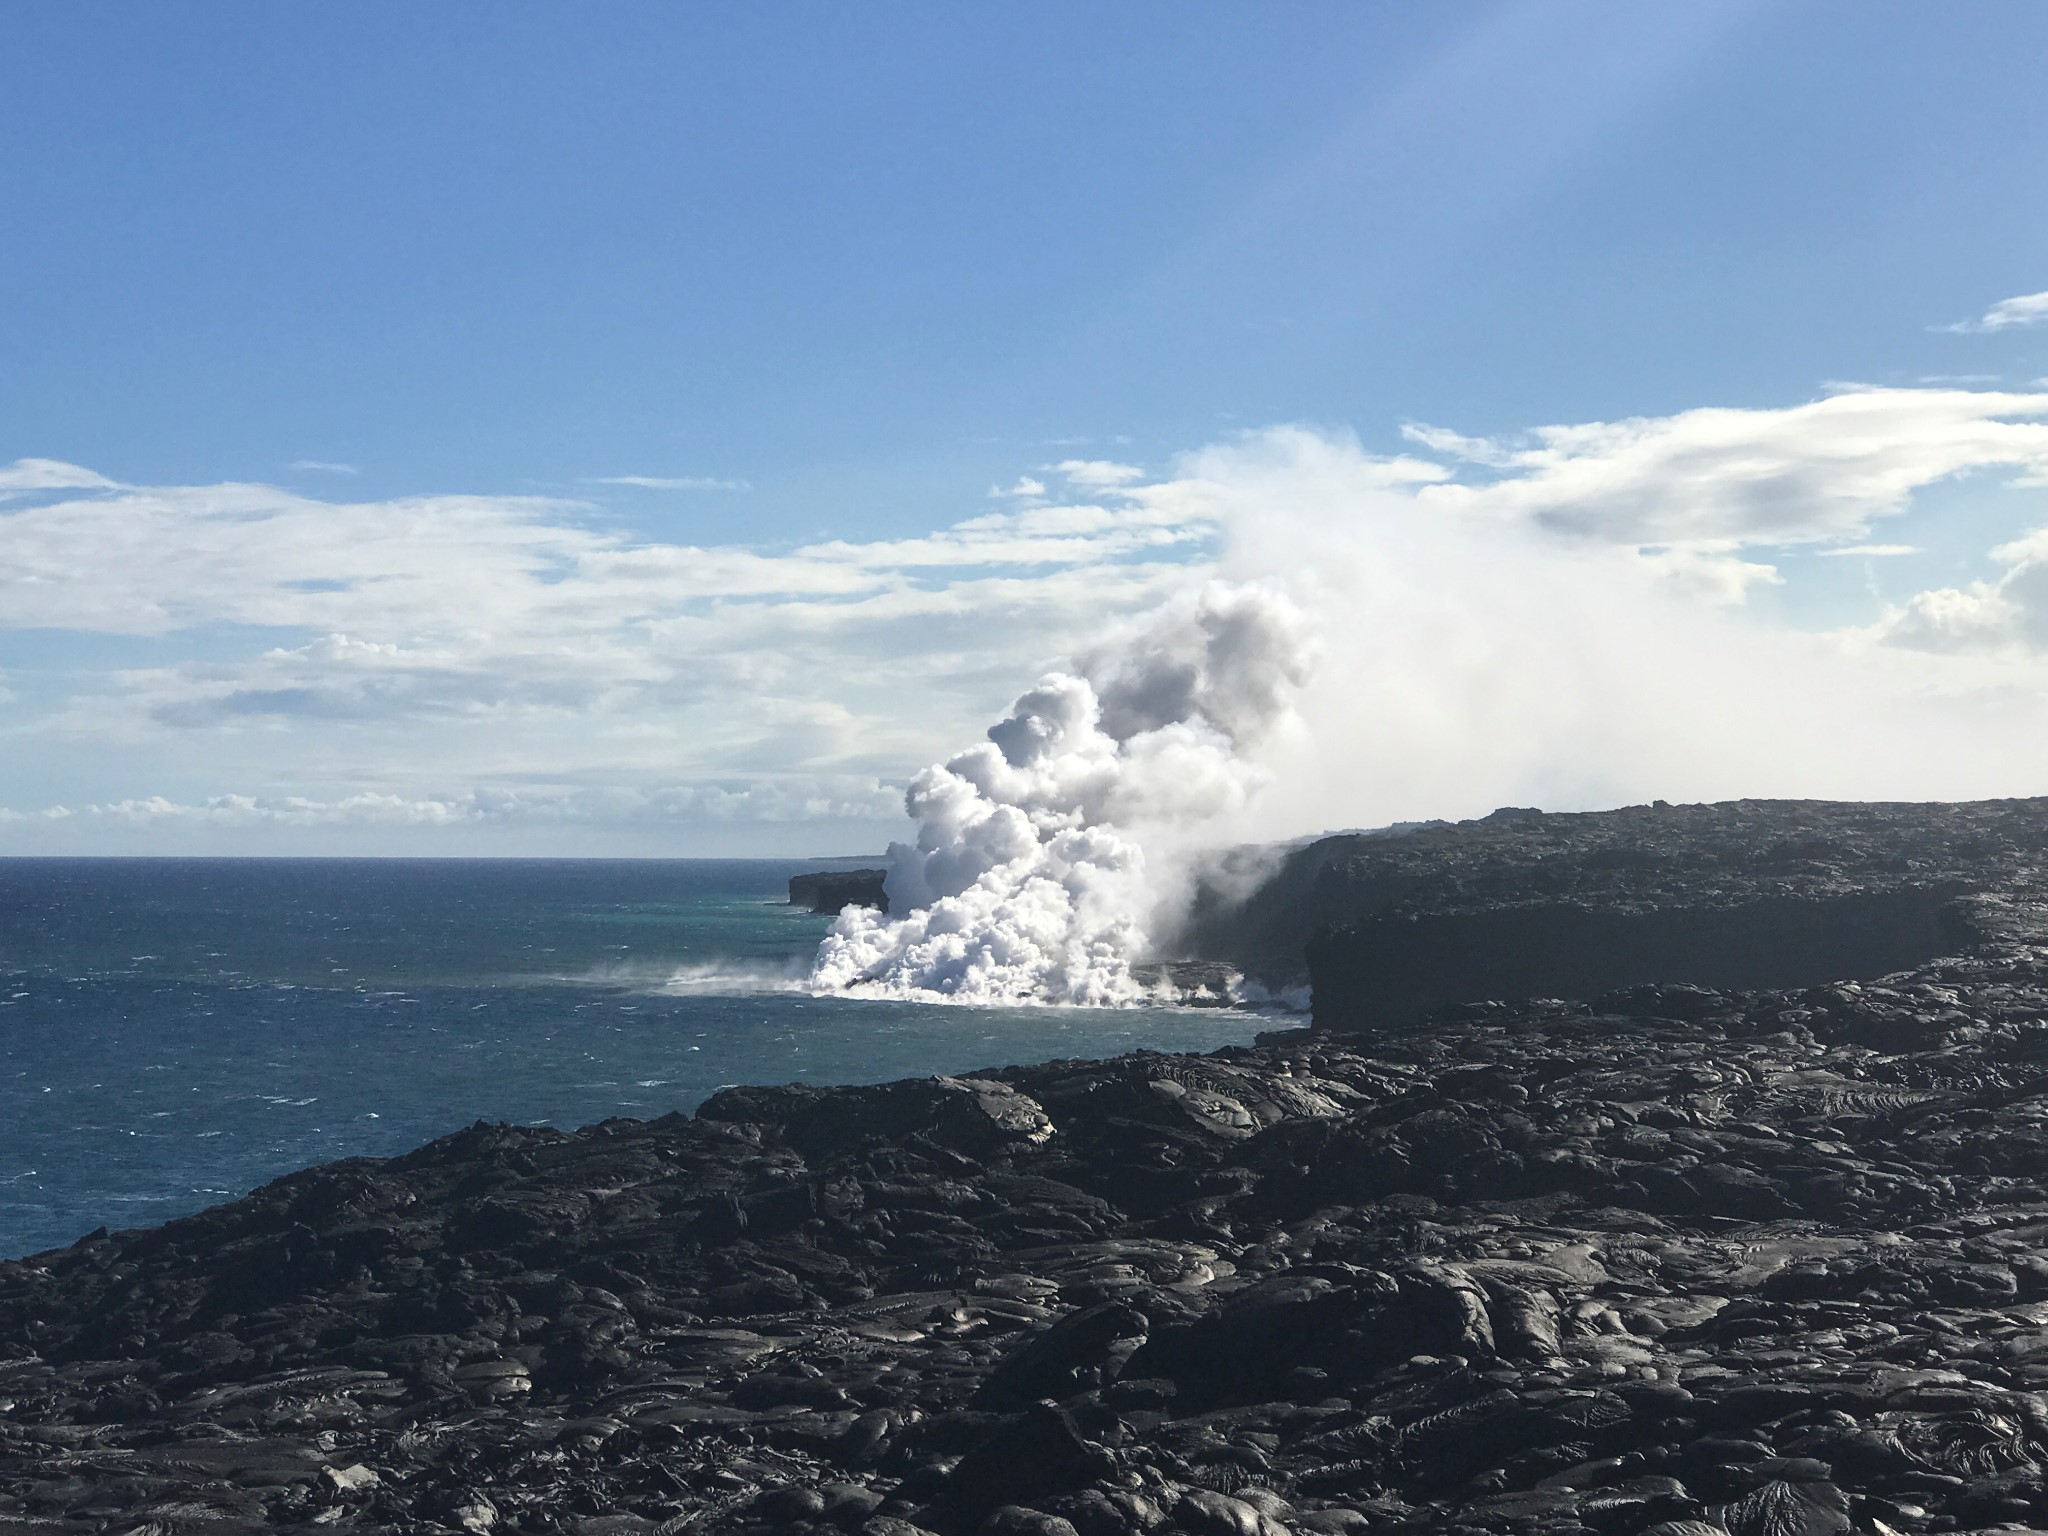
pixel 1580 615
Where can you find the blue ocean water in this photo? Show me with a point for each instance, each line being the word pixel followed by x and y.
pixel 175 1032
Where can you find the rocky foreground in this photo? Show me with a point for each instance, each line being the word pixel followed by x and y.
pixel 1773 1262
pixel 1673 1260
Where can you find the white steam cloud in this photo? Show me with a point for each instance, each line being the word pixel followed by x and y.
pixel 1566 620
pixel 1484 651
pixel 1041 867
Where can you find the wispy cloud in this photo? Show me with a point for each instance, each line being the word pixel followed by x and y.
pixel 1822 472
pixel 2023 309
pixel 322 467
pixel 784 799
pixel 672 482
pixel 404 645
pixel 1455 445
pixel 1098 474
pixel 48 475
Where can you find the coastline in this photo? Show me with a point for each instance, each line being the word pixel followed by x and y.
pixel 1677 1252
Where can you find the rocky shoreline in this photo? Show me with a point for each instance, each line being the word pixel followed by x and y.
pixel 1677 1259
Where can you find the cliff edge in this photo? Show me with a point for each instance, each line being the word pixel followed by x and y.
pixel 831 891
pixel 1749 893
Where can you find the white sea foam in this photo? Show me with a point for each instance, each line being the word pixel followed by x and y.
pixel 716 978
pixel 728 979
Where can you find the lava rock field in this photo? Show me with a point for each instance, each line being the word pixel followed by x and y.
pixel 1672 1261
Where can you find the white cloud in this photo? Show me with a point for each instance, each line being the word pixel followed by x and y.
pixel 2022 309
pixel 1098 474
pixel 673 482
pixel 1954 620
pixel 48 475
pixel 136 560
pixel 1872 551
pixel 1815 473
pixel 1716 578
pixel 1477 658
pixel 323 467
pixel 1035 536
pixel 307 651
pixel 1558 617
pixel 2008 615
pixel 763 800
pixel 1455 445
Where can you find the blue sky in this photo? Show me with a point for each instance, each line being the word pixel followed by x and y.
pixel 819 277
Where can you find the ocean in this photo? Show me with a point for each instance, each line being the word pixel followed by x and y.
pixel 179 1031
pixel 176 1032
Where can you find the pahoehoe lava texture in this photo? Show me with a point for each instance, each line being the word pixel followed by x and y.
pixel 1674 1260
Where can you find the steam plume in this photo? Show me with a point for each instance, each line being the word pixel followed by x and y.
pixel 1509 642
pixel 1035 876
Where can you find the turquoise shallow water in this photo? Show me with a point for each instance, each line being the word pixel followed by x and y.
pixel 174 1032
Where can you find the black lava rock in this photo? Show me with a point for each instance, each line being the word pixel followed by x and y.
pixel 1674 1260
pixel 831 891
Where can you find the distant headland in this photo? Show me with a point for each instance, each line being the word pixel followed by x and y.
pixel 831 891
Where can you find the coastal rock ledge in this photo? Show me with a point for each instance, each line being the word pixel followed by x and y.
pixel 831 891
pixel 1670 1261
